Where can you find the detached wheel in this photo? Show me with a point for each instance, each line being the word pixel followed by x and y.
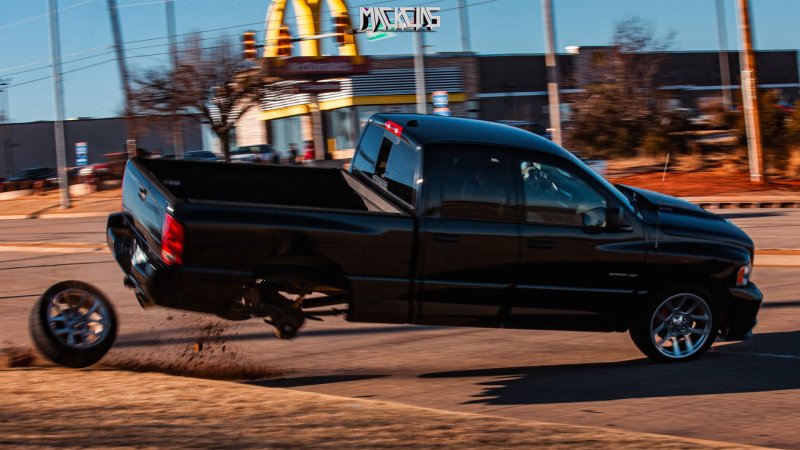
pixel 678 325
pixel 73 324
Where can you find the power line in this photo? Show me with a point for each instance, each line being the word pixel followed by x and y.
pixel 179 51
pixel 189 33
pixel 63 72
pixel 79 52
pixel 77 69
pixel 63 62
pixel 41 16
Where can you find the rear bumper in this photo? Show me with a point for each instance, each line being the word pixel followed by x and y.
pixel 742 309
pixel 155 283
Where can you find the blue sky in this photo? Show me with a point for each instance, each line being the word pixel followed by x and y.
pixel 496 26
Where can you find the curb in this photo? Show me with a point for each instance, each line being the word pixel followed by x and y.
pixel 50 247
pixel 56 215
pixel 746 202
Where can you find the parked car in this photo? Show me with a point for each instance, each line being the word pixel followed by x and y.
pixel 195 155
pixel 42 177
pixel 439 221
pixel 252 153
pixel 111 168
pixel 200 155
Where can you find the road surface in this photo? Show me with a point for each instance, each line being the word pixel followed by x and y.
pixel 744 392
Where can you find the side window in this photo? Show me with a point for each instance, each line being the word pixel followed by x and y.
pixel 395 169
pixel 368 148
pixel 556 195
pixel 473 185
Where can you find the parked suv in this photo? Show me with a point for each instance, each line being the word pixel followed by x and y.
pixel 253 153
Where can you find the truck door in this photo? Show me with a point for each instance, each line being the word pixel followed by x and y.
pixel 571 276
pixel 468 237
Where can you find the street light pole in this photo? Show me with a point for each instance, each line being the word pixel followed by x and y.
pixel 749 96
pixel 462 13
pixel 123 70
pixel 61 156
pixel 724 70
pixel 419 72
pixel 552 72
pixel 177 124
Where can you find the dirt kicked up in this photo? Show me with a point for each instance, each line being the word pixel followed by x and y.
pixel 107 408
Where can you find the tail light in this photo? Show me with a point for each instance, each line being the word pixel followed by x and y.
pixel 172 237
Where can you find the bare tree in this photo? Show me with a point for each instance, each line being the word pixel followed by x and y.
pixel 619 107
pixel 213 83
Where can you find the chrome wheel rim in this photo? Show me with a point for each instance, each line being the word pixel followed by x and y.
pixel 681 325
pixel 78 318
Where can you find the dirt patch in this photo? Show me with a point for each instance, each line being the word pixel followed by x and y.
pixel 17 357
pixel 108 409
pixel 704 183
pixel 199 346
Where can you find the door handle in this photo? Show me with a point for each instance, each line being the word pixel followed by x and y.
pixel 446 238
pixel 541 243
pixel 142 193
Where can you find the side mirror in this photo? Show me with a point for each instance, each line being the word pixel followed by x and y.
pixel 595 219
pixel 601 218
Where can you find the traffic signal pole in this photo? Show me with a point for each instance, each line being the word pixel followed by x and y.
pixel 61 155
pixel 749 96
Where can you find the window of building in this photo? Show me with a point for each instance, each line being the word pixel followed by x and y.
pixel 340 125
pixel 284 132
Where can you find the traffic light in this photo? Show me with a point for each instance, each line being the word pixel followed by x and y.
pixel 341 26
pixel 249 45
pixel 284 42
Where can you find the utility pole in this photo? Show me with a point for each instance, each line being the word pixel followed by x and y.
pixel 552 72
pixel 61 155
pixel 123 68
pixel 419 72
pixel 749 96
pixel 173 44
pixel 177 123
pixel 462 12
pixel 5 116
pixel 724 69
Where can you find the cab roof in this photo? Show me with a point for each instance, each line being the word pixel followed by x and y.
pixel 425 129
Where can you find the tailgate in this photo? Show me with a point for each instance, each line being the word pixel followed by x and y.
pixel 146 201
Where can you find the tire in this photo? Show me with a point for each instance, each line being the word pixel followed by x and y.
pixel 91 330
pixel 678 324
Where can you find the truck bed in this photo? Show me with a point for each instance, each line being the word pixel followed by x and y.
pixel 317 227
pixel 304 187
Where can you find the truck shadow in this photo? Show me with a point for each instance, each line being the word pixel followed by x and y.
pixel 144 339
pixel 767 362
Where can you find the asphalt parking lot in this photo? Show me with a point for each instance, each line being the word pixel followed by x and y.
pixel 744 392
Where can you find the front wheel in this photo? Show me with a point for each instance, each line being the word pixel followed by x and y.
pixel 677 325
pixel 73 324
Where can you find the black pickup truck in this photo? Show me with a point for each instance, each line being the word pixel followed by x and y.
pixel 439 221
